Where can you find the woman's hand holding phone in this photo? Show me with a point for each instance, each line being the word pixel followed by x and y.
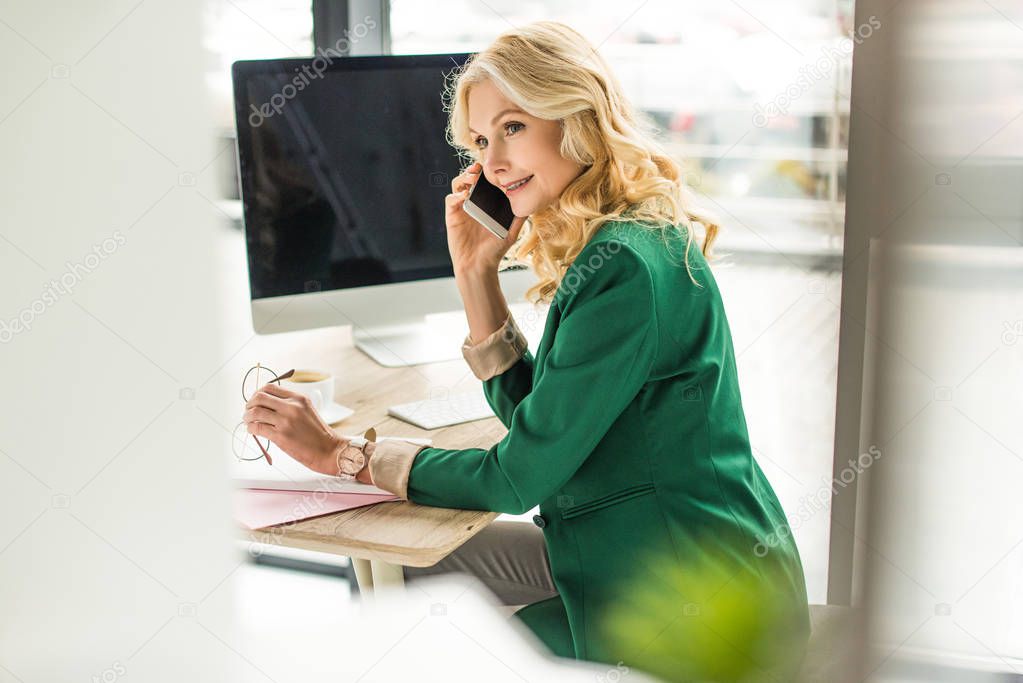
pixel 473 248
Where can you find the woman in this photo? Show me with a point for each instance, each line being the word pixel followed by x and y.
pixel 626 427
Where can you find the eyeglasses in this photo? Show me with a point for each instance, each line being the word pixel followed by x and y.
pixel 257 377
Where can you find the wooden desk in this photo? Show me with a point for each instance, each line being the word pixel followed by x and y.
pixel 383 537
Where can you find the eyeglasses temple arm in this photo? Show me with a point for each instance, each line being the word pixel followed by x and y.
pixel 265 453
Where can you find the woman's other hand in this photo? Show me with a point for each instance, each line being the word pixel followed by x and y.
pixel 291 422
pixel 473 248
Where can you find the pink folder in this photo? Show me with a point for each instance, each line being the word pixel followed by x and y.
pixel 258 508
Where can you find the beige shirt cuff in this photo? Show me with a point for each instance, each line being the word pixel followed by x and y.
pixel 498 352
pixel 390 463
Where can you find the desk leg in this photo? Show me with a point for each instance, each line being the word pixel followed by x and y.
pixel 363 576
pixel 387 576
pixel 374 575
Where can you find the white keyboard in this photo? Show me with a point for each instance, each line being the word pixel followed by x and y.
pixel 441 411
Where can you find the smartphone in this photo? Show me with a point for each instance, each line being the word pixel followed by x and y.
pixel 489 205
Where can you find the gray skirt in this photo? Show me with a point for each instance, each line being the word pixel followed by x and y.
pixel 510 558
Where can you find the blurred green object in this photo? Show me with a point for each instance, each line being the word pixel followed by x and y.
pixel 712 619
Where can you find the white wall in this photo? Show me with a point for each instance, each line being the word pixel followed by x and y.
pixel 113 520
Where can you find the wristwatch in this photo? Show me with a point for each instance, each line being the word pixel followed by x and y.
pixel 352 457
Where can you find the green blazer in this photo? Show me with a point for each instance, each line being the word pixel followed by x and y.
pixel 626 428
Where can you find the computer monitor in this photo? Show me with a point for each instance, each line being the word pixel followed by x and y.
pixel 344 166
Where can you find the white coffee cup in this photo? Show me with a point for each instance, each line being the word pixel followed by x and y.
pixel 318 385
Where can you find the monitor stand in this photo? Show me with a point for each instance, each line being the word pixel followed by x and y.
pixel 436 337
pixel 395 346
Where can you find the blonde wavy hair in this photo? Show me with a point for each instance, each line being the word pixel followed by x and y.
pixel 552 72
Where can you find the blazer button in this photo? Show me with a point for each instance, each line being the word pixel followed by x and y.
pixel 539 521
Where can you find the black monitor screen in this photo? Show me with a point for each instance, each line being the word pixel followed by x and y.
pixel 344 170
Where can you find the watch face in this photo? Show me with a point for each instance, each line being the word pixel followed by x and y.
pixel 353 466
pixel 357 462
pixel 350 461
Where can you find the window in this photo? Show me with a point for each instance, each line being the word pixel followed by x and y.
pixel 753 101
pixel 248 29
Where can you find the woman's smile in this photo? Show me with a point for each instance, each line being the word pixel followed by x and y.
pixel 517 185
